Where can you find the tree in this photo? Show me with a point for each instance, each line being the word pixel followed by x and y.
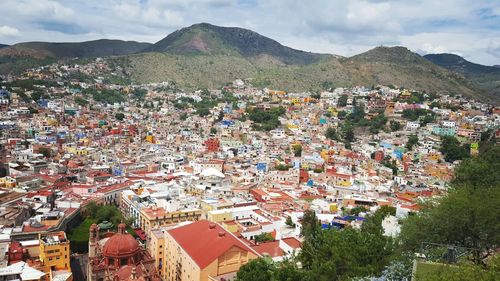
pixel 263 237
pixel 81 101
pixel 344 254
pixel 412 141
pixel 467 216
pixel 377 123
pixel 44 151
pixel 213 131
pixel 452 149
pixel 358 209
pixel 289 222
pixel 348 132
pixel 342 101
pixel 310 224
pixel 395 126
pixel 119 116
pixel 331 133
pixel 255 270
pixel 265 120
pixel 297 150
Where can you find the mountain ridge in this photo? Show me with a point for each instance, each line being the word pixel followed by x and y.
pixel 94 48
pixel 484 78
pixel 205 55
pixel 205 38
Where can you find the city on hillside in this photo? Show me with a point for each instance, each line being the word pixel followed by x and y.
pixel 367 151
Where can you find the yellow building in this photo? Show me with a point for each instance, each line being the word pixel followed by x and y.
pixel 54 252
pixel 8 182
pixel 153 217
pixel 77 150
pixel 156 247
pixel 220 215
pixel 203 251
pixel 207 205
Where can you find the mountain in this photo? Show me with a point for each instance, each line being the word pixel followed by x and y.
pixel 96 48
pixel 484 78
pixel 402 67
pixel 18 57
pixel 205 55
pixel 497 66
pixel 382 65
pixel 209 39
pixel 3 46
pixel 458 64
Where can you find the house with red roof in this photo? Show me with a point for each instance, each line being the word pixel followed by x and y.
pixel 204 251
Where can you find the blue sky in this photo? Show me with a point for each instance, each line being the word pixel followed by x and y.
pixel 344 27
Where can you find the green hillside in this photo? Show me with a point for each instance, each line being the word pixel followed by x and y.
pixel 485 78
pixel 387 66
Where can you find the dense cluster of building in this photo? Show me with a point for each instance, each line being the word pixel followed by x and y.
pixel 205 192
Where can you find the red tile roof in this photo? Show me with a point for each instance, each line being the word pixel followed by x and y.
pixel 292 242
pixel 205 241
pixel 270 248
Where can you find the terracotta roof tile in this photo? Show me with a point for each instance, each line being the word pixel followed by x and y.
pixel 205 241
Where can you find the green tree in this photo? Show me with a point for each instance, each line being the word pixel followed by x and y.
pixel 256 270
pixel 44 151
pixel 310 224
pixel 213 131
pixel 412 141
pixel 395 126
pixel 452 149
pixel 81 101
pixel 467 216
pixel 342 101
pixel 358 209
pixel 344 254
pixel 289 222
pixel 297 150
pixel 263 237
pixel 348 132
pixel 119 116
pixel 331 133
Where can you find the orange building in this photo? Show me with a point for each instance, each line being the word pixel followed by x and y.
pixel 203 251
pixel 212 145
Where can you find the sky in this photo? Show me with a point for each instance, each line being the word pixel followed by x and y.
pixel 470 28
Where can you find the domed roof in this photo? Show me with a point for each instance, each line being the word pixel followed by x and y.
pixel 121 244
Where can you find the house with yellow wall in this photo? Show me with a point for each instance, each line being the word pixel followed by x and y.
pixel 220 215
pixel 8 182
pixel 156 247
pixel 54 252
pixel 203 251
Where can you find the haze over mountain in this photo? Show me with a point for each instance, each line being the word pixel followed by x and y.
pixel 205 55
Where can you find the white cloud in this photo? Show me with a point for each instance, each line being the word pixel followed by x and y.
pixel 345 27
pixel 8 31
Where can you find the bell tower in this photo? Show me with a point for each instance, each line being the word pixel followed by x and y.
pixel 93 240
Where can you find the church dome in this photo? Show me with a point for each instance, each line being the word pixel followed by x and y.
pixel 121 244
